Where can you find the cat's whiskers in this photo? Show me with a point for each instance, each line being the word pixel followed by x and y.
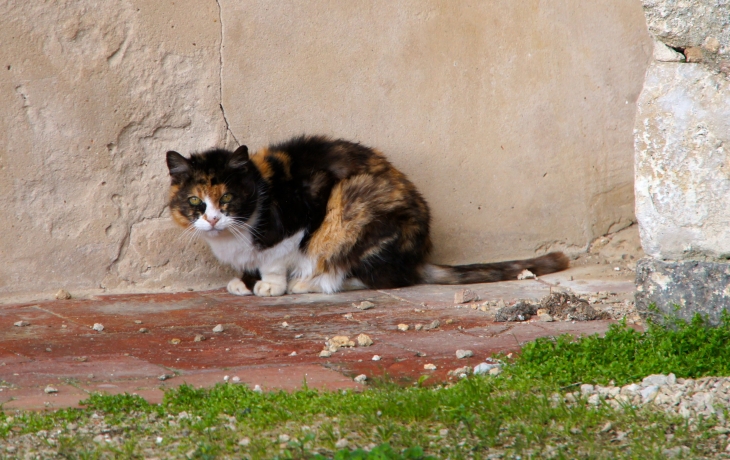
pixel 189 234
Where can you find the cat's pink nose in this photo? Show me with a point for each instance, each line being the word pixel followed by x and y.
pixel 212 220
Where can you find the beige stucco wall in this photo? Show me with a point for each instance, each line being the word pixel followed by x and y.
pixel 514 118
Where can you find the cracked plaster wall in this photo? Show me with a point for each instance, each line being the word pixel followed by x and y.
pixel 92 94
pixel 514 119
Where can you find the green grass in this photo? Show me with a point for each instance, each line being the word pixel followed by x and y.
pixel 689 350
pixel 513 415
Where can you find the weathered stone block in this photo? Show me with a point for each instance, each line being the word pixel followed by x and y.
pixel 682 167
pixel 682 288
pixel 690 23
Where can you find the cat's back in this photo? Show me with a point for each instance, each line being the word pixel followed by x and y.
pixel 303 157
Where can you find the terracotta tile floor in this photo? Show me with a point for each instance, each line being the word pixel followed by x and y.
pixel 61 349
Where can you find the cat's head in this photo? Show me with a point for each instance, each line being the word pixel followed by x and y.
pixel 213 191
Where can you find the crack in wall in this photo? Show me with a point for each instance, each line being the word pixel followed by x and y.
pixel 220 86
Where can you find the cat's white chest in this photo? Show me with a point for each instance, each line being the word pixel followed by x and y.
pixel 240 252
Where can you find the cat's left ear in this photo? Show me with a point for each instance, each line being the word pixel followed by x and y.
pixel 177 164
pixel 239 158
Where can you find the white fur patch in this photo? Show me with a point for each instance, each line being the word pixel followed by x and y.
pixel 238 287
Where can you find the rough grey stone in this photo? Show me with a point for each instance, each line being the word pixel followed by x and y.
pixel 692 286
pixel 682 23
pixel 682 166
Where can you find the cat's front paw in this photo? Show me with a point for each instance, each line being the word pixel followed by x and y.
pixel 268 289
pixel 238 287
pixel 297 286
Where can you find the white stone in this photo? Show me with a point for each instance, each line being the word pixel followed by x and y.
pixel 484 368
pixel 587 389
pixel 682 166
pixel 341 444
pixel 461 354
pixel 218 328
pixel 649 393
pixel 98 327
pixel 376 358
pixel 429 367
pixel 655 379
pixel 663 53
pixel 361 378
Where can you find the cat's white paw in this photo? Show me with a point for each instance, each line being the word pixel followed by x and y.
pixel 237 287
pixel 268 289
pixel 298 286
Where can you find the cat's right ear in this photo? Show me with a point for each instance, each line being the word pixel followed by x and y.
pixel 178 165
pixel 239 158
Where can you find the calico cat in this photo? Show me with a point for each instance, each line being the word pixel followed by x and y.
pixel 314 214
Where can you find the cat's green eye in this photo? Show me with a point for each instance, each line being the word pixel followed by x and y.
pixel 226 198
pixel 194 201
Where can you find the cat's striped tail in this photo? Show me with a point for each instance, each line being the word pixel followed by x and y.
pixel 498 271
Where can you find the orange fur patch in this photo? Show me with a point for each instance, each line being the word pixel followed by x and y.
pixel 260 161
pixel 179 218
pixel 285 160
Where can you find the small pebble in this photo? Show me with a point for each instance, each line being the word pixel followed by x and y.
pixel 402 327
pixel 361 378
pixel 348 316
pixel 284 438
pixel 341 444
pixel 545 318
pixel 218 328
pixel 464 296
pixel 495 371
pixel 158 440
pixel 49 390
pixel 433 325
pixel 137 321
pixel 299 336
pixel 164 377
pixel 244 442
pixel 464 354
pixel 63 326
pixel 199 338
pixel 48 349
pixel 284 324
pixel 365 305
pixel 21 323
pixel 484 368
pixel 175 341
pixel 226 378
pixel 143 330
pixel 607 427
pixel 63 295
pixel 364 340
pixel 526 275
pixel 418 326
pixel 325 354
pixel 340 341
pixel 376 357
pixel 293 353
pixel 429 367
pixel 235 379
pixel 257 389
pixel 618 269
pixel 443 432
pixel 98 327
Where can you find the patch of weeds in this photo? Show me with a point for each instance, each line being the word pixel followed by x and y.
pixel 624 355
